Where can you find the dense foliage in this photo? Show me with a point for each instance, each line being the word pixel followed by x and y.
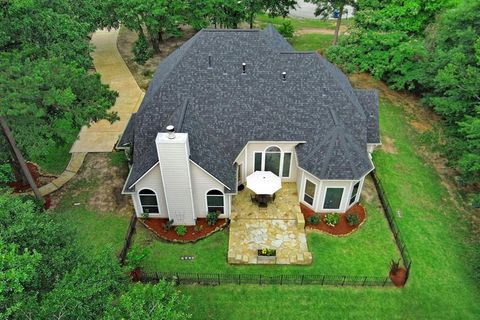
pixel 46 93
pixel 44 275
pixel 431 48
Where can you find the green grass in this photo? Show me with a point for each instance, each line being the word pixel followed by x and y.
pixel 298 23
pixel 311 42
pixel 366 252
pixel 441 284
pixel 57 159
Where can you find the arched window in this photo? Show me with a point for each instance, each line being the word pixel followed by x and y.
pixel 148 200
pixel 215 201
pixel 272 159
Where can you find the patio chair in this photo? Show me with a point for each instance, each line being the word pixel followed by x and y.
pixel 273 198
pixel 254 199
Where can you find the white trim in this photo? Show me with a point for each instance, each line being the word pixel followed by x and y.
pixel 261 160
pixel 125 184
pixel 206 201
pixel 283 162
pixel 325 195
pixel 304 186
pixel 209 174
pixel 144 174
pixel 141 205
pixel 187 152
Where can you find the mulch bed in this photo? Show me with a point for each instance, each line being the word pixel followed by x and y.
pixel 203 230
pixel 19 187
pixel 342 228
pixel 399 278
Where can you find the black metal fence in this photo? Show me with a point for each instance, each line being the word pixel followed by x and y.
pixel 389 214
pixel 128 239
pixel 228 278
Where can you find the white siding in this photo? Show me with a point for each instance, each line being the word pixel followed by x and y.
pixel 153 181
pixel 248 154
pixel 202 182
pixel 321 188
pixel 175 169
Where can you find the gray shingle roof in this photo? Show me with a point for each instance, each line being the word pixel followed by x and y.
pixel 369 100
pixel 127 136
pixel 222 109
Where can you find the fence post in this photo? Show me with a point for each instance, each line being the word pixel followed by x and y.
pixel 178 278
pixel 260 279
pixel 239 278
pixel 302 279
pixel 218 276
pixel 323 279
pixel 281 279
pixel 157 277
pixel 364 281
pixel 198 278
pixel 344 277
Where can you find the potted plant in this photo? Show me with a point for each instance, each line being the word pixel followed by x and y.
pixel 266 254
pixel 397 274
pixel 133 262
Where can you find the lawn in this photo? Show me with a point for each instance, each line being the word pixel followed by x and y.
pixel 311 41
pixel 366 252
pixel 298 23
pixel 440 284
pixel 57 159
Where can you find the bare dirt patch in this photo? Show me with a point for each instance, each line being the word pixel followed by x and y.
pixel 388 145
pixel 144 73
pixel 100 182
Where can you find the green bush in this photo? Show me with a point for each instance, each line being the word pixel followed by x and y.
pixel 38 205
pixel 332 219
pixel 352 219
pixel 286 29
pixel 212 218
pixel 6 173
pixel 181 230
pixel 315 219
pixel 142 50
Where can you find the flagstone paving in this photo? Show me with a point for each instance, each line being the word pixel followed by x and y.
pixel 280 226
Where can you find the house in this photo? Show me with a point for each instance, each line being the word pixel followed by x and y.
pixel 231 102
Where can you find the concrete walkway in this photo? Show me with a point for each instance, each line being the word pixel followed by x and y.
pixel 102 136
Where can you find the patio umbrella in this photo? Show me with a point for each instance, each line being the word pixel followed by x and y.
pixel 264 182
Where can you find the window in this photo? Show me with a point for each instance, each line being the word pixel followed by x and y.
pixel 309 193
pixel 215 201
pixel 272 160
pixel 354 192
pixel 287 158
pixel 148 201
pixel 333 198
pixel 258 162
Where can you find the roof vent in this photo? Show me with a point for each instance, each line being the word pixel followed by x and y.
pixel 171 132
pixel 284 76
pixel 244 67
pixel 209 61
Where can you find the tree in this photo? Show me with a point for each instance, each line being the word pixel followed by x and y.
pixel 274 8
pixel 451 84
pixel 28 229
pixel 86 292
pixel 146 301
pixel 17 269
pixel 325 8
pixel 152 19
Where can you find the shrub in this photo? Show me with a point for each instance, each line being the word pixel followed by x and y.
pixel 142 50
pixel 315 219
pixel 286 29
pixel 198 228
pixel 181 230
pixel 145 215
pixel 352 219
pixel 332 219
pixel 212 218
pixel 168 226
pixel 6 173
pixel 38 205
pixel 135 256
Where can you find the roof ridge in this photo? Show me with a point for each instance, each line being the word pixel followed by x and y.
pixel 182 115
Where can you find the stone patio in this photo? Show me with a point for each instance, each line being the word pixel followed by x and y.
pixel 280 226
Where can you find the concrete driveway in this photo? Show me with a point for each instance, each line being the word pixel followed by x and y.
pixel 102 136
